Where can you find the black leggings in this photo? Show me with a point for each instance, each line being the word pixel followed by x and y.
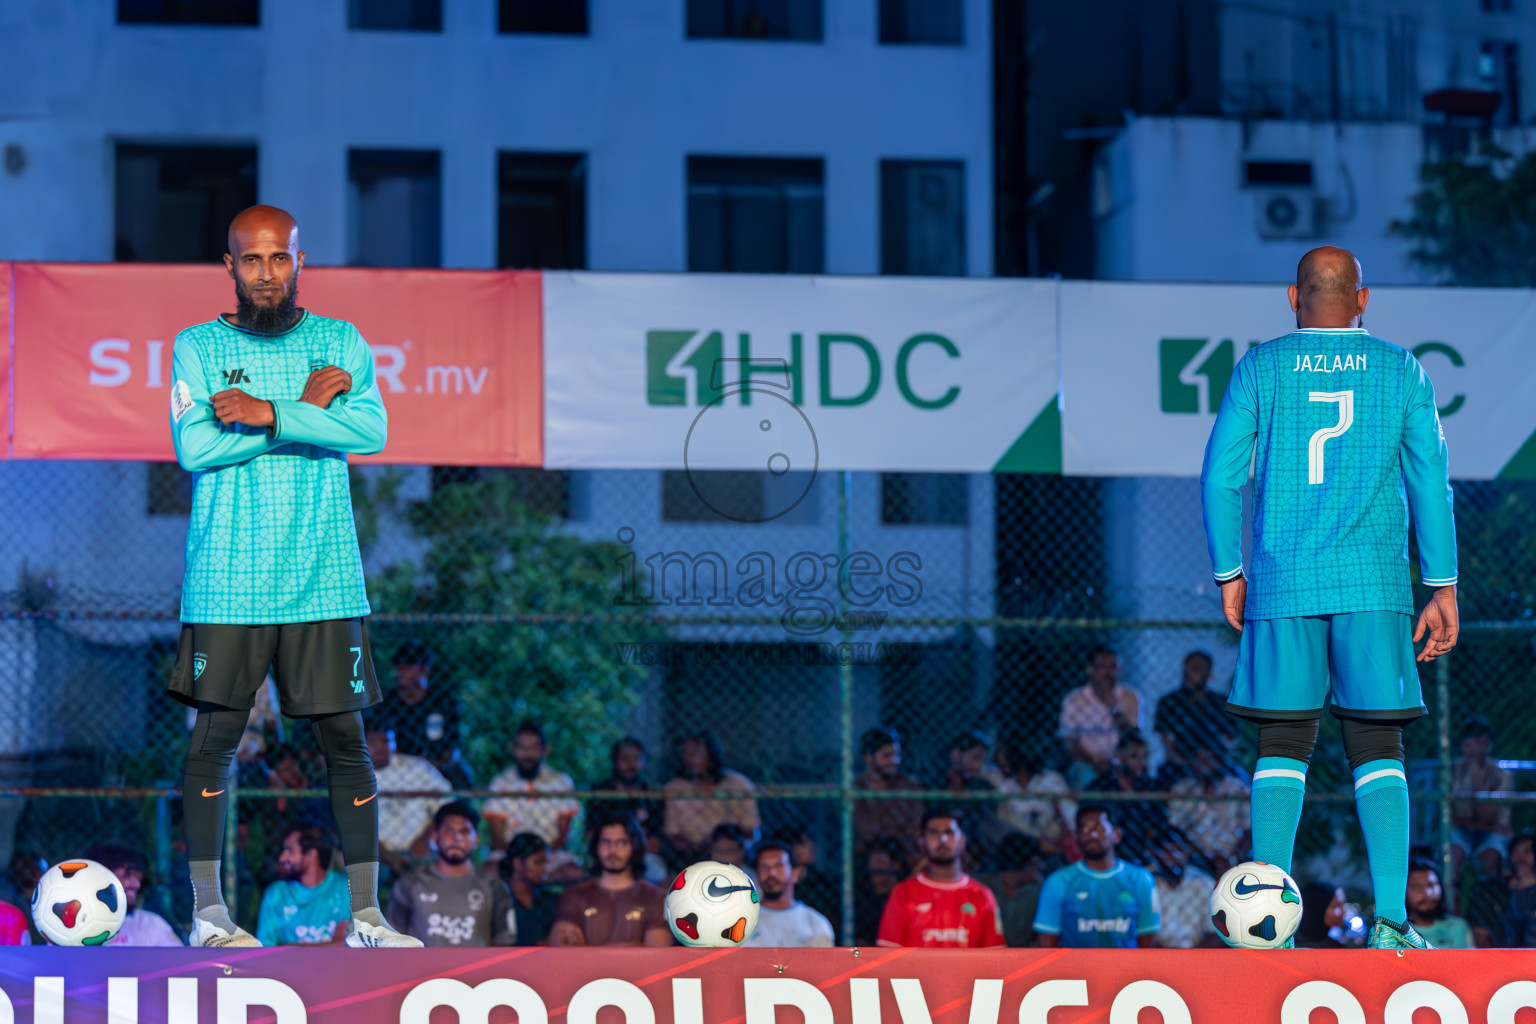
pixel 1365 740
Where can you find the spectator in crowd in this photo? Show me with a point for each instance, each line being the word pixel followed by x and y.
pixel 405 822
pixel 448 902
pixel 1130 772
pixel 1194 717
pixel 533 902
pixel 263 728
pixel 1100 902
pixel 1219 828
pixel 1094 715
pixel 941 907
pixel 1520 912
pixel 309 904
pixel 1017 888
pixel 1322 912
pixel 883 867
pixel 14 929
pixel 728 845
pixel 878 820
pixel 26 870
pixel 289 767
pixel 1427 911
pixel 1483 902
pixel 425 718
pixel 627 756
pixel 618 907
pixel 141 927
pixel 816 888
pixel 549 818
pixel 691 817
pixel 1479 831
pixel 967 774
pixel 1183 892
pixel 784 921
pixel 1047 818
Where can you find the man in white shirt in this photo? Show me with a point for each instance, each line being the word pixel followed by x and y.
pixel 1184 892
pixel 784 921
pixel 549 819
pixel 404 821
pixel 141 927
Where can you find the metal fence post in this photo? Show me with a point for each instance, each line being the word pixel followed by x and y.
pixel 845 686
pixel 1443 705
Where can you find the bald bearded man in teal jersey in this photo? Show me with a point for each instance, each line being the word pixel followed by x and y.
pixel 265 406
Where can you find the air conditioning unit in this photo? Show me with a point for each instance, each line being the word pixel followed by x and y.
pixel 1285 212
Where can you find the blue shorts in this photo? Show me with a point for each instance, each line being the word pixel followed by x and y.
pixel 1287 668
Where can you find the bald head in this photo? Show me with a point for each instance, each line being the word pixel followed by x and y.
pixel 1329 289
pixel 267 221
pixel 264 258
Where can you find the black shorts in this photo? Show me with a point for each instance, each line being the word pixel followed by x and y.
pixel 320 667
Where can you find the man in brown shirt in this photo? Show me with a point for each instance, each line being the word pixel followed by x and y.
pixel 618 907
pixel 875 820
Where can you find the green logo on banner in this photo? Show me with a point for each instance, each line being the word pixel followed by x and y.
pixel 1194 373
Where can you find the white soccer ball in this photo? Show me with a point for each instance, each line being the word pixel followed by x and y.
pixel 79 903
pixel 1256 906
pixel 712 904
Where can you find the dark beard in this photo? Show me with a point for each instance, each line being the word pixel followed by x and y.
pixel 769 897
pixel 454 857
pixel 942 861
pixel 622 869
pixel 267 319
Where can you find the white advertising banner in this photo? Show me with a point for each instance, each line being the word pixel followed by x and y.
pixel 1144 367
pixel 789 374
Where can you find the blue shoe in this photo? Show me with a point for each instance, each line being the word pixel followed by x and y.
pixel 1391 935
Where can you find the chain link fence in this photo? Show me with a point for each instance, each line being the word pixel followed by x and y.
pixel 855 646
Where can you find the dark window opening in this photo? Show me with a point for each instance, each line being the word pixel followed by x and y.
pixel 542 211
pixel 174 203
pixel 397 15
pixel 922 217
pixel 1277 172
pixel 395 209
pixel 924 498
pixel 937 22
pixel 552 17
pixel 755 19
pixel 755 215
pixel 189 12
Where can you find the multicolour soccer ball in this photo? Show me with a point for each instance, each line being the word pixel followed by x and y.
pixel 1256 906
pixel 79 903
pixel 712 904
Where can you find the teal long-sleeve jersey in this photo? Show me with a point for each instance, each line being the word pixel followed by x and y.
pixel 271 537
pixel 1344 437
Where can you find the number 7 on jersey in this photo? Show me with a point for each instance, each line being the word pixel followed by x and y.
pixel 1346 400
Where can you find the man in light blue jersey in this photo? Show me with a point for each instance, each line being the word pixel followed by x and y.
pixel 265 406
pixel 1100 902
pixel 1344 438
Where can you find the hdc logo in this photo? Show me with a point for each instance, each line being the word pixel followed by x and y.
pixel 1195 372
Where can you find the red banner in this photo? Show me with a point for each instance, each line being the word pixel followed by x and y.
pixel 459 356
pixel 327 985
pixel 5 359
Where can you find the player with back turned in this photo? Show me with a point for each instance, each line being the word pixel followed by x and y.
pixel 265 406
pixel 1344 437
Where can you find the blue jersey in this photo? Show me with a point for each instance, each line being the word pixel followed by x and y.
pixel 1099 909
pixel 292 912
pixel 1344 437
pixel 271 537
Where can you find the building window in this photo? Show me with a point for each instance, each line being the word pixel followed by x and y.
pixel 754 19
pixel 542 211
pixel 924 498
pixel 170 489
pixel 174 203
pixel 1499 6
pixel 546 492
pixel 755 215
pixel 742 496
pixel 553 17
pixel 399 15
pixel 189 12
pixel 1499 67
pixel 922 217
pixel 937 22
pixel 395 209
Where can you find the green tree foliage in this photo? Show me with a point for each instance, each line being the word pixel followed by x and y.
pixel 490 559
pixel 1474 223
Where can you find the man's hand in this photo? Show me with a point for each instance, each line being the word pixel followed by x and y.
pixel 235 406
pixel 1440 619
pixel 1234 597
pixel 325 384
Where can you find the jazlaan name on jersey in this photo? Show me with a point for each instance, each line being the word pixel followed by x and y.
pixel 1320 363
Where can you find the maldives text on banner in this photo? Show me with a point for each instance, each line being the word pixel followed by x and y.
pixel 750 372
pixel 458 356
pixel 1144 367
pixel 326 985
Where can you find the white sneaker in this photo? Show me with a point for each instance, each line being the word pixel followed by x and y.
pixel 363 934
pixel 217 930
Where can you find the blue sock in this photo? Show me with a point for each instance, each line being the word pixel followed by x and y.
pixel 1279 784
pixel 1381 796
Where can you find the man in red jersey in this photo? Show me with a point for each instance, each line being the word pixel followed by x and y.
pixel 941 907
